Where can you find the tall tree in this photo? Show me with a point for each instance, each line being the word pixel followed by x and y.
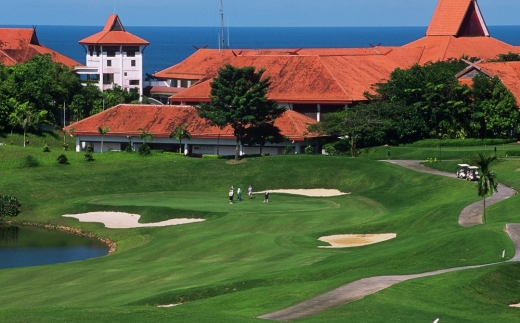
pixel 351 123
pixel 179 133
pixel 239 99
pixel 25 116
pixel 487 183
pixel 262 133
pixel 495 110
pixel 102 131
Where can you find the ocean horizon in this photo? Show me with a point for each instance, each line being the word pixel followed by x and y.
pixel 171 45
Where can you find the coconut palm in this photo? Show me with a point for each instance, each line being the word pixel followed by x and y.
pixel 102 131
pixel 180 132
pixel 145 136
pixel 487 183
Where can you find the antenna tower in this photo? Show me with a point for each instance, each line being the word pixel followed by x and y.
pixel 222 24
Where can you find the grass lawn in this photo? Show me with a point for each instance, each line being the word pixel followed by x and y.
pixel 252 258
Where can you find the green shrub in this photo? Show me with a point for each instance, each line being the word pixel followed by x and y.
pixel 30 161
pixel 9 206
pixel 432 143
pixel 172 153
pixel 88 156
pixel 46 148
pixel 65 146
pixel 308 150
pixel 144 150
pixel 62 159
pixel 287 150
pixel 211 156
pixel 329 149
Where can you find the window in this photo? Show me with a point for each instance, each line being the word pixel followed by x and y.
pixel 108 78
pixel 125 74
pixel 90 50
pixel 132 62
pixel 111 50
pixel 134 82
pixel 131 50
pixel 109 62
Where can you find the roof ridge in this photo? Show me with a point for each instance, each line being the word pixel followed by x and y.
pixel 335 78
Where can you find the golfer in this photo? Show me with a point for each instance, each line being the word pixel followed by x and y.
pixel 266 196
pixel 250 191
pixel 239 194
pixel 231 193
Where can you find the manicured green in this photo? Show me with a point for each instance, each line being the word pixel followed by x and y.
pixel 251 258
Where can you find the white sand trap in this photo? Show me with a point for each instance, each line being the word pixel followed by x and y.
pixel 120 220
pixel 355 240
pixel 169 305
pixel 515 305
pixel 317 192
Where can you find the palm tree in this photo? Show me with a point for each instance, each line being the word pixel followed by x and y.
pixel 487 183
pixel 180 132
pixel 102 131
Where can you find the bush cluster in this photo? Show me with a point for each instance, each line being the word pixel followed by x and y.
pixel 9 206
pixel 432 143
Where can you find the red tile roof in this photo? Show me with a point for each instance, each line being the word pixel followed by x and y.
pixel 18 45
pixel 328 76
pixel 125 119
pixel 457 18
pixel 507 72
pixel 113 34
pixel 440 48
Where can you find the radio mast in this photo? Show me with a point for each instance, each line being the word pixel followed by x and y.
pixel 223 39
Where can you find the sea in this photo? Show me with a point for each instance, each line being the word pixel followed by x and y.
pixel 171 45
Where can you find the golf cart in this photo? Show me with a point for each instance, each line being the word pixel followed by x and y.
pixel 473 173
pixel 462 171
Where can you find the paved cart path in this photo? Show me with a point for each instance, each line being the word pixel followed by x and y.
pixel 469 216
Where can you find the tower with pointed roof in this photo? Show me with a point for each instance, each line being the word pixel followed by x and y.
pixel 114 56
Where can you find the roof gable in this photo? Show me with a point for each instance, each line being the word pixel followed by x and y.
pixel 113 24
pixel 459 18
pixel 113 34
pixel 18 45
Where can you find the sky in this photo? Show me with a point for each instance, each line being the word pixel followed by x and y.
pixel 242 13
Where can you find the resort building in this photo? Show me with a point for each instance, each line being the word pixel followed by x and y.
pixel 316 81
pixel 18 45
pixel 126 122
pixel 114 56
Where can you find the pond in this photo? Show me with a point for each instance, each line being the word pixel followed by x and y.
pixel 22 246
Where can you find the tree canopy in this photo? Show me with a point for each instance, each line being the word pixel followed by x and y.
pixel 427 102
pixel 239 99
pixel 48 88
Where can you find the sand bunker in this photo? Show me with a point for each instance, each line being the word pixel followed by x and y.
pixel 355 240
pixel 515 305
pixel 120 220
pixel 318 192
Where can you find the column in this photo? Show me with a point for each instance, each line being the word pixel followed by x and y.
pixel 318 115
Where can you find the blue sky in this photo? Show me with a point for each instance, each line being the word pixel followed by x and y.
pixel 239 13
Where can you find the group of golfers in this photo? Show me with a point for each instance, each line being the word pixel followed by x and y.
pixel 249 194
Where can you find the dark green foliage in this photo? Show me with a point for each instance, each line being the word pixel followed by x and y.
pixel 46 149
pixel 239 99
pixel 30 161
pixel 308 150
pixel 432 143
pixel 179 133
pixel 509 57
pixel 9 206
pixel 287 150
pixel 89 156
pixel 495 111
pixel 62 159
pixel 487 183
pixel 144 150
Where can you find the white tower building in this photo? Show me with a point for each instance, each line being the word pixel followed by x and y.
pixel 114 56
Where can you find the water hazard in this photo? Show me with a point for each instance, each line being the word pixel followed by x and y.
pixel 22 246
